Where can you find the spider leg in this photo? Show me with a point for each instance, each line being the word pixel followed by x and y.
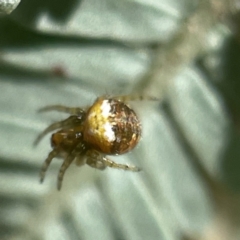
pixel 46 164
pixel 96 164
pixel 63 169
pixel 80 160
pixel 60 108
pixel 135 97
pixel 62 124
pixel 94 160
pixel 109 163
pixel 77 150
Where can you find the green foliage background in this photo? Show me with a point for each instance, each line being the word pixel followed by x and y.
pixel 70 52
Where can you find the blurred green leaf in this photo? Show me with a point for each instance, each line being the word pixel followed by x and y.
pixel 70 52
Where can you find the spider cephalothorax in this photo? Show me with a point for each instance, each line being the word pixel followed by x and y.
pixel 108 127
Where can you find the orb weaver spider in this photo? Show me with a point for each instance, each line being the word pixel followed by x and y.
pixel 108 127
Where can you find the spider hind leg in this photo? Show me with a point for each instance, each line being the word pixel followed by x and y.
pixel 97 160
pixel 109 163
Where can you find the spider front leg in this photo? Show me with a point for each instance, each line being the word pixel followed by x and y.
pixel 61 108
pixel 67 161
pixel 72 120
pixel 46 164
pixel 63 169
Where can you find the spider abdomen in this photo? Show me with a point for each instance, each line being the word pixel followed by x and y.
pixel 111 127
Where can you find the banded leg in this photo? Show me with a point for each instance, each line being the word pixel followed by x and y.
pixel 109 163
pixel 135 97
pixel 63 169
pixel 46 164
pixel 78 150
pixel 94 160
pixel 62 124
pixel 96 164
pixel 61 108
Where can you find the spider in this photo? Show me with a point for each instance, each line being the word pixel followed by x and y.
pixel 108 127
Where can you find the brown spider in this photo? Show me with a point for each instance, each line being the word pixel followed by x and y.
pixel 108 127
